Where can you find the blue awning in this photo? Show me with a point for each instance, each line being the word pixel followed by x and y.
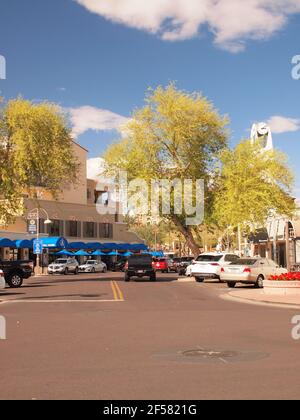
pixel 65 253
pixel 109 246
pixel 93 245
pixel 82 253
pixel 138 247
pixel 99 253
pixel 77 245
pixel 23 243
pixel 6 243
pixel 54 242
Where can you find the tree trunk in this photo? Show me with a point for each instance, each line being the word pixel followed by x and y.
pixel 188 234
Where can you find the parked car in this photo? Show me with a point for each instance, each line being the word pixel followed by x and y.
pixel 172 264
pixel 250 271
pixel 93 266
pixel 182 264
pixel 16 271
pixel 64 266
pixel 188 271
pixel 140 266
pixel 2 280
pixel 209 265
pixel 119 265
pixel 162 264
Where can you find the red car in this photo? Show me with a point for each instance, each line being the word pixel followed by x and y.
pixel 161 264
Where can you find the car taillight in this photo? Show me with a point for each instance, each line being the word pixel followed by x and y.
pixel 222 270
pixel 215 264
pixel 247 270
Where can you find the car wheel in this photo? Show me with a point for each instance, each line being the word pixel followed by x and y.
pixel 76 271
pixel 15 281
pixel 231 284
pixel 104 270
pixel 66 272
pixel 260 282
pixel 199 279
pixel 127 278
pixel 93 270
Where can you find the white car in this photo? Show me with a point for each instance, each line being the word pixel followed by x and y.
pixel 210 264
pixel 64 266
pixel 2 280
pixel 251 271
pixel 188 271
pixel 93 266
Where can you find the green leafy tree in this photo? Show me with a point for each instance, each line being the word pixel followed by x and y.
pixel 35 151
pixel 253 185
pixel 176 135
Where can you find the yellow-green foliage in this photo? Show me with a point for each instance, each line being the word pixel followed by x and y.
pixel 176 135
pixel 253 185
pixel 35 150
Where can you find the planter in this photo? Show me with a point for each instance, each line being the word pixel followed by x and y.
pixel 282 288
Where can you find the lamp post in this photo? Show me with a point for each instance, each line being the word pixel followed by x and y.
pixel 36 213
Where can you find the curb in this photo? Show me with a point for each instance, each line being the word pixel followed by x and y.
pixel 249 301
pixel 186 280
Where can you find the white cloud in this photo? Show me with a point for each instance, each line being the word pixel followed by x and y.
pixel 281 124
pixel 89 118
pixel 95 167
pixel 232 22
pixel 95 170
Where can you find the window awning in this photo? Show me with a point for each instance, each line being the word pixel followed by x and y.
pixel 23 244
pixel 6 243
pixel 54 242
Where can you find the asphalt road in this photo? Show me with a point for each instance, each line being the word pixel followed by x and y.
pixel 96 337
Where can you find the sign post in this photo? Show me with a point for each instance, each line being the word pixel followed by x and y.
pixel 37 246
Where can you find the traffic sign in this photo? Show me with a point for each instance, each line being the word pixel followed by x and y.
pixel 32 226
pixel 37 246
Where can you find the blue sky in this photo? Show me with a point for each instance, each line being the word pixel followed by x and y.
pixel 98 57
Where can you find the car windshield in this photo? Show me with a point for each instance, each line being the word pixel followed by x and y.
pixel 248 261
pixel 91 262
pixel 209 258
pixel 61 261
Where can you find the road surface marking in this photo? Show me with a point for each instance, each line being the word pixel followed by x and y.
pixel 114 290
pixel 118 290
pixel 60 301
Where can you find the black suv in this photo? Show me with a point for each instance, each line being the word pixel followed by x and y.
pixel 140 266
pixel 16 271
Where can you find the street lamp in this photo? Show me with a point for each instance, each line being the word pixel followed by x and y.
pixel 36 212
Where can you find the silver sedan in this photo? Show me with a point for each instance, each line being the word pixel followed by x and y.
pixel 250 271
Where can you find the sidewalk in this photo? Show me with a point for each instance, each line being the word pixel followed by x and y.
pixel 259 296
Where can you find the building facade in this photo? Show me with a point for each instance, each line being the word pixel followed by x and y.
pixel 73 215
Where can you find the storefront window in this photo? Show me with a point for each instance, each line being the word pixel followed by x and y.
pixel 73 229
pixel 56 228
pixel 106 230
pixel 89 229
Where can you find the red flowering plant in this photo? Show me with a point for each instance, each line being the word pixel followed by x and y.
pixel 286 277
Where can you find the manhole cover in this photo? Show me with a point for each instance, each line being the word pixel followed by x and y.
pixel 204 355
pixel 210 354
